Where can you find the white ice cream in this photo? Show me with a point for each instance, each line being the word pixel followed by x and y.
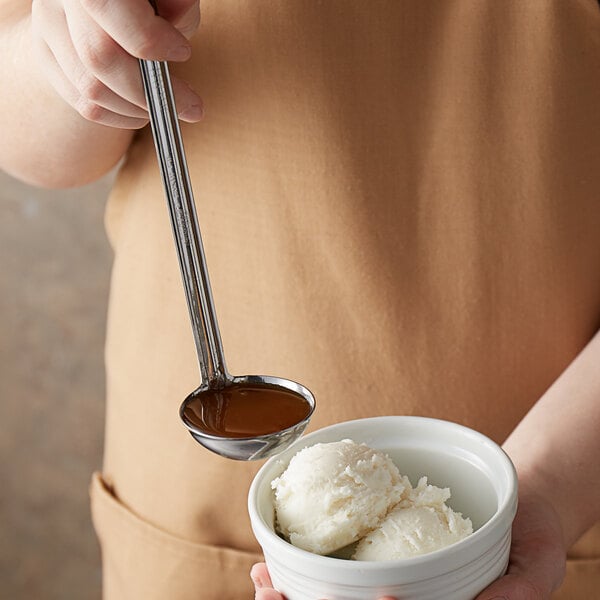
pixel 334 494
pixel 331 495
pixel 420 523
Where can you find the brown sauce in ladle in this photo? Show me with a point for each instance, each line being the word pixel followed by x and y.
pixel 246 410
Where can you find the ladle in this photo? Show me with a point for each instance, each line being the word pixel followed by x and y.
pixel 247 417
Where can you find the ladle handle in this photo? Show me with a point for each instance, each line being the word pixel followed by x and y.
pixel 182 210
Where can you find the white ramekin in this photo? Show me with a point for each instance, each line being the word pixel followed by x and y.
pixel 484 487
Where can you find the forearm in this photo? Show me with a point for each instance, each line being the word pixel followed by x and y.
pixel 44 141
pixel 556 447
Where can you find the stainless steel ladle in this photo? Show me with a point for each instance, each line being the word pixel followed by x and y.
pixel 190 252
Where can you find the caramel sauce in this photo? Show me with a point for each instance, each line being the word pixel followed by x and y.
pixel 246 410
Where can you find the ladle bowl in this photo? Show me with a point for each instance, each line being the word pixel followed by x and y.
pixel 216 381
pixel 254 447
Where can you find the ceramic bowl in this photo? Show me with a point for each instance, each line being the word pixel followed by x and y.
pixel 483 483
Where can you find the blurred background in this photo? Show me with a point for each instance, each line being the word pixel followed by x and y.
pixel 54 274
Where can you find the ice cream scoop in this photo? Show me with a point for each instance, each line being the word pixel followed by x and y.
pixel 421 522
pixel 333 494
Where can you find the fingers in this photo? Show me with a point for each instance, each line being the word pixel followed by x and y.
pixel 88 52
pixel 136 28
pixel 262 584
pixel 260 576
pixel 91 101
pixel 91 110
pixel 537 557
pixel 511 587
pixel 96 58
pixel 268 594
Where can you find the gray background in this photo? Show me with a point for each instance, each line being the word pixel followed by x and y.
pixel 54 275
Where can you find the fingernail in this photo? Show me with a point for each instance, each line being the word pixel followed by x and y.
pixel 258 582
pixel 180 53
pixel 192 113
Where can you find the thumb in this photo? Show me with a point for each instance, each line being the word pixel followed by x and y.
pixel 513 587
pixel 531 575
pixel 537 555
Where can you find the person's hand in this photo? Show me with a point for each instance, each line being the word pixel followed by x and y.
pixel 537 557
pixel 264 588
pixel 89 49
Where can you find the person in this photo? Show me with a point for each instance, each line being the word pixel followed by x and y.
pixel 399 208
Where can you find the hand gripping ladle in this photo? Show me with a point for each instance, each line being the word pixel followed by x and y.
pixel 248 417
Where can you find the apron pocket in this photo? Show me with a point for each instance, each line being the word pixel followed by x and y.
pixel 143 562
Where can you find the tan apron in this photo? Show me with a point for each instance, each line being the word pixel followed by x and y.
pixel 400 208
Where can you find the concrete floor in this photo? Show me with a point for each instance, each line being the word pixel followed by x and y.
pixel 54 272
